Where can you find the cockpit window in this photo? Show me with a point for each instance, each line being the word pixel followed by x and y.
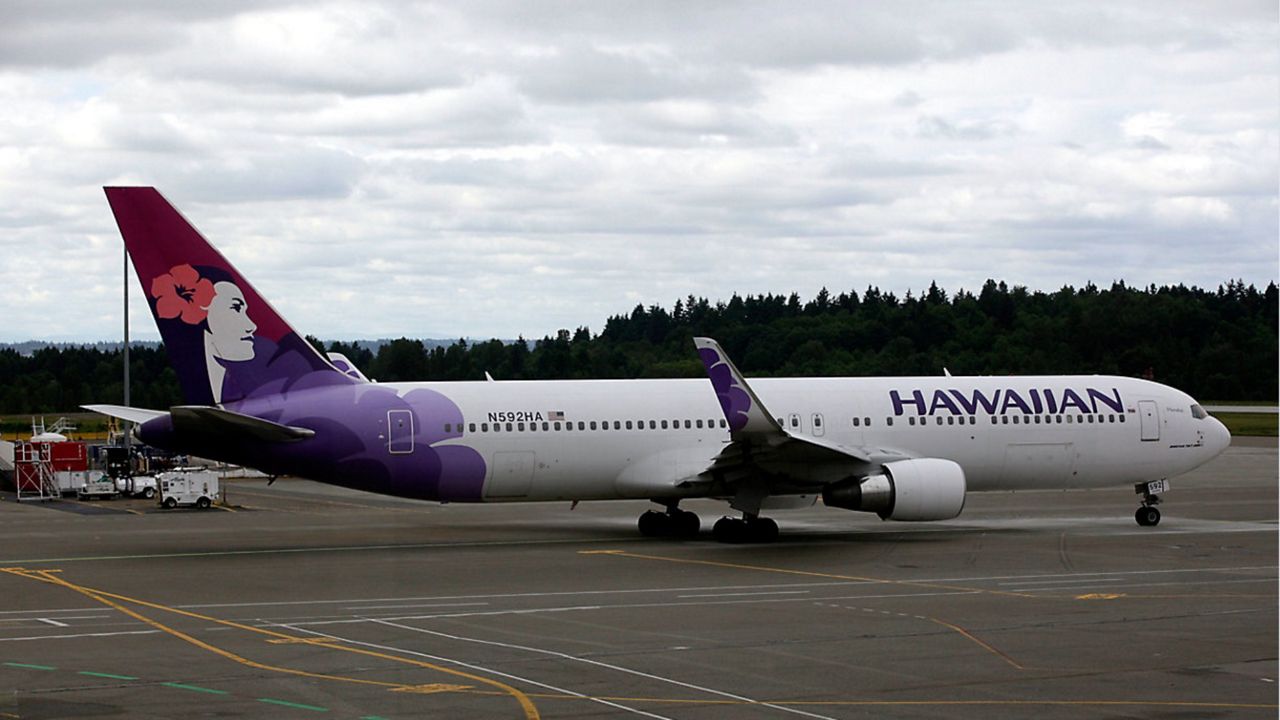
pixel 1198 412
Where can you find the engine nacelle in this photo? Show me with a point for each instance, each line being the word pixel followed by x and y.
pixel 920 489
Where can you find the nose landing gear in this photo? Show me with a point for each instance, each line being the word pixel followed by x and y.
pixel 1149 515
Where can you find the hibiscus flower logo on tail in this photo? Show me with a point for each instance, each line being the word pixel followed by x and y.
pixel 182 293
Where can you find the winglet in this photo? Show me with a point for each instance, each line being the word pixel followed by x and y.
pixel 744 411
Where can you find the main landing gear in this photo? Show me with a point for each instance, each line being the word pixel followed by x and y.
pixel 750 528
pixel 672 523
pixel 1149 515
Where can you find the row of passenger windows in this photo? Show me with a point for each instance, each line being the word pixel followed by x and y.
pixel 588 425
pixel 582 425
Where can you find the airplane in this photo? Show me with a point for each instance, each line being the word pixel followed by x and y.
pixel 905 448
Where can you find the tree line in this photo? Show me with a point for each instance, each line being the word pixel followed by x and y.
pixel 1216 345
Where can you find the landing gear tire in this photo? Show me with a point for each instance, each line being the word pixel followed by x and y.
pixel 653 523
pixel 1147 516
pixel 754 530
pixel 673 523
pixel 686 524
pixel 763 530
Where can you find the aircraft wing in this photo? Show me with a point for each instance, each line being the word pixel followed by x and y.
pixel 760 451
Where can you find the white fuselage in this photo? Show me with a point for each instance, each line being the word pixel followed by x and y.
pixel 605 439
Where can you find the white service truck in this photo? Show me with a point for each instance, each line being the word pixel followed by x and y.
pixel 186 487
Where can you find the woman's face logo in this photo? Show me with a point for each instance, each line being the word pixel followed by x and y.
pixel 230 329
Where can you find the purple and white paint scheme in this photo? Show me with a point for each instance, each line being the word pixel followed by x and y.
pixel 232 350
pixel 734 400
pixel 258 394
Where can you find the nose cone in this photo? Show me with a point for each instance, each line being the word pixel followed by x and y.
pixel 1217 437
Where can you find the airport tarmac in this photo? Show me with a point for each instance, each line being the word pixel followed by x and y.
pixel 302 600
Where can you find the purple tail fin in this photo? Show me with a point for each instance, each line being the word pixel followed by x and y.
pixel 224 340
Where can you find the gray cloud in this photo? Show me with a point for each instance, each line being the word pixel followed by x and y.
pixel 499 168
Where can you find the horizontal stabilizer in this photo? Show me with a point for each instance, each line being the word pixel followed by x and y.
pixel 132 414
pixel 216 422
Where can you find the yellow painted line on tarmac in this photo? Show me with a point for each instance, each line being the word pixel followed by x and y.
pixel 980 643
pixel 104 597
pixel 805 573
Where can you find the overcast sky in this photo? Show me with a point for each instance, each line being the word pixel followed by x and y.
pixel 489 168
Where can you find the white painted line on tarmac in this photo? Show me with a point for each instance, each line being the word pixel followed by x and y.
pixel 747 594
pixel 54 623
pixel 398 607
pixel 480 669
pixel 81 635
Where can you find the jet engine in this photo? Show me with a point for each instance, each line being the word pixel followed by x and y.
pixel 919 489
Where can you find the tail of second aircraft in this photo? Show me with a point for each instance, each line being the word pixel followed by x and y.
pixel 225 341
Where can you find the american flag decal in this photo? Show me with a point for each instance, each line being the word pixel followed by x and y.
pixel 555 415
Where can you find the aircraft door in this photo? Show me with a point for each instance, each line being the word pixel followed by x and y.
pixel 1149 416
pixel 399 432
pixel 816 423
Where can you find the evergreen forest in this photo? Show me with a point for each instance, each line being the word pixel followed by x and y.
pixel 1218 345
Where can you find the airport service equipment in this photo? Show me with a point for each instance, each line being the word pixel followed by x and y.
pixel 144 486
pixel 103 488
pixel 187 487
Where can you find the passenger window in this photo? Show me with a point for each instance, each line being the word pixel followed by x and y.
pixel 484 427
pixel 1004 420
pixel 724 423
pixel 887 421
pixel 448 427
pixel 653 424
pixel 471 427
pixel 556 426
pixel 593 424
pixel 817 421
pixel 628 424
pixel 911 420
pixel 509 427
pixel 1121 418
pixel 582 425
pixel 664 424
pixel 699 423
pixel 617 425
pixel 688 425
pixel 858 421
pixel 546 426
pixel 520 427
